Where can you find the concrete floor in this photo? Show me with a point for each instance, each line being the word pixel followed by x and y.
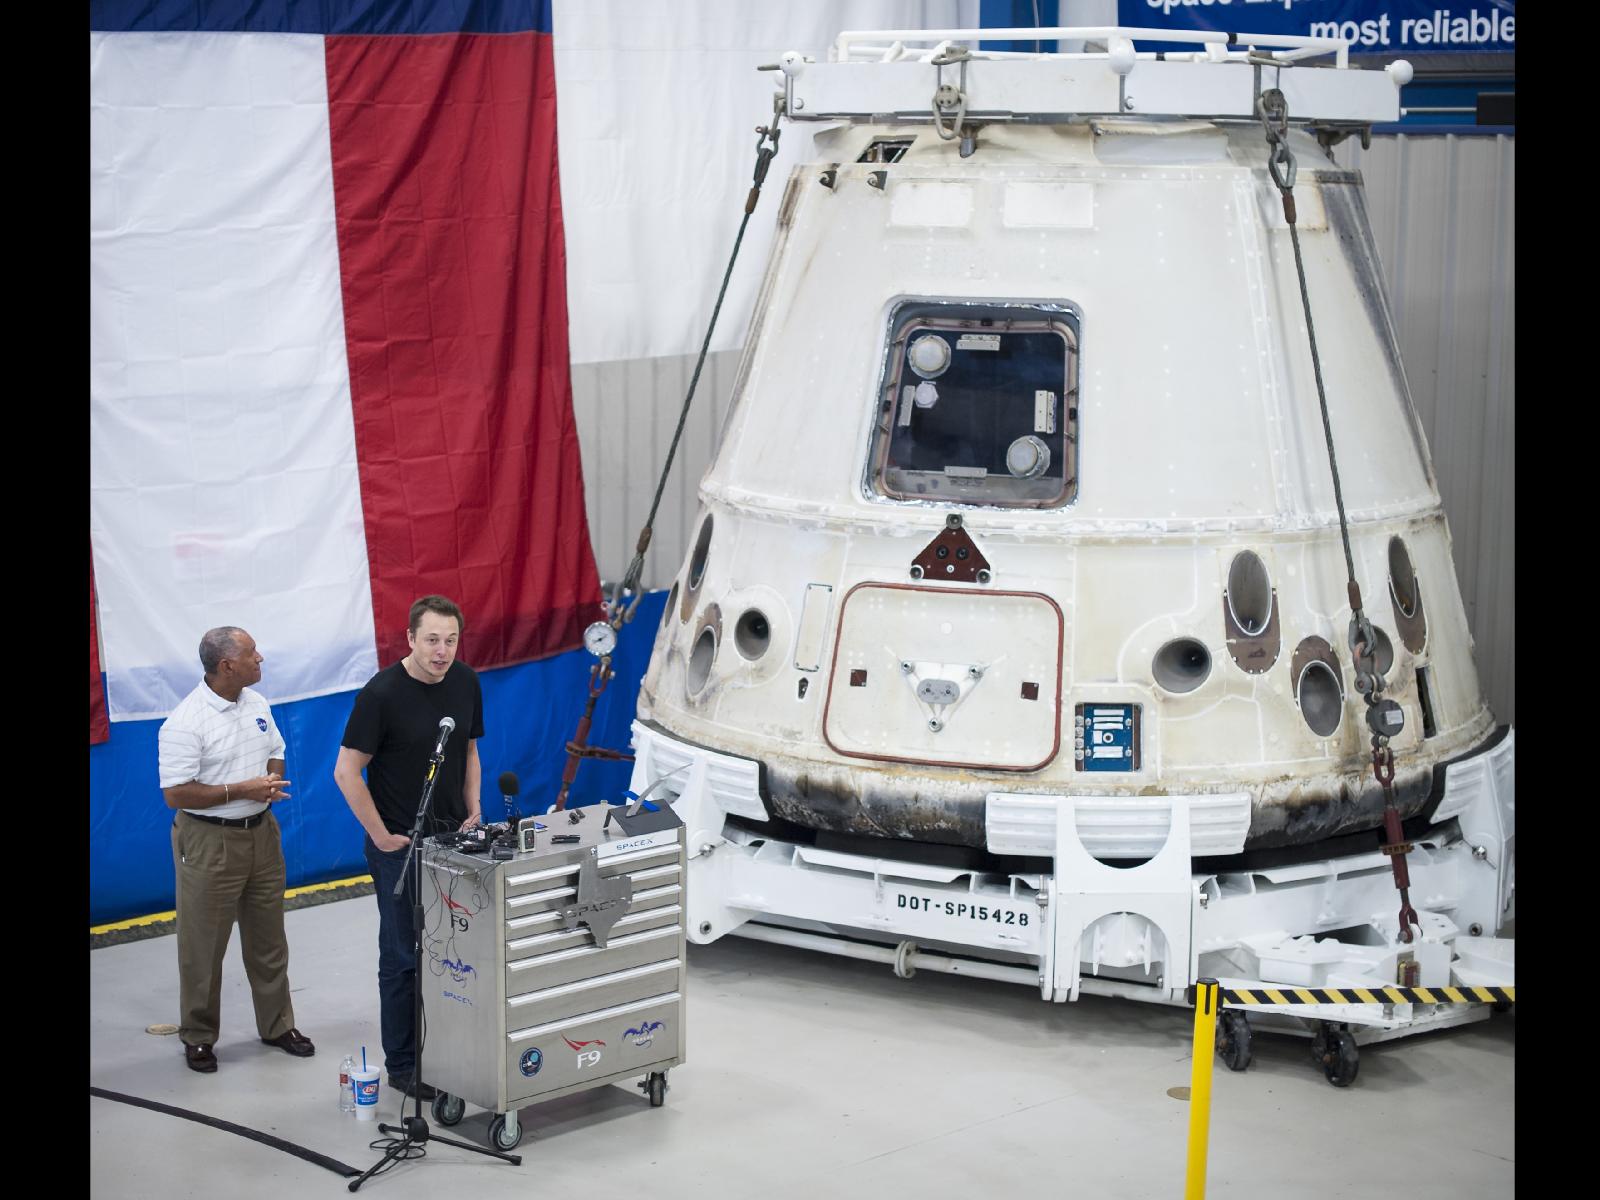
pixel 807 1076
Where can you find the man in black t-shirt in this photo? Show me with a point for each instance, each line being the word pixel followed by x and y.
pixel 392 731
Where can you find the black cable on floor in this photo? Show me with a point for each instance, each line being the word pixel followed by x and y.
pixel 266 1139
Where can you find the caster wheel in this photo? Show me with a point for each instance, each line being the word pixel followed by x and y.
pixel 503 1138
pixel 1233 1039
pixel 654 1085
pixel 1341 1061
pixel 448 1110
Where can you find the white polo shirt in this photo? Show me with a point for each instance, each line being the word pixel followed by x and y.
pixel 209 740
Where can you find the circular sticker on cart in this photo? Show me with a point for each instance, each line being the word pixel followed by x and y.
pixel 531 1061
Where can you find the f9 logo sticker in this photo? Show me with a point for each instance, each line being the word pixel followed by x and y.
pixel 586 1057
pixel 458 914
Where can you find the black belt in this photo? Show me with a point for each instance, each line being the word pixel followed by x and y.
pixel 232 822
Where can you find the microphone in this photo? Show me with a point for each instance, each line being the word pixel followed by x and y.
pixel 509 787
pixel 446 725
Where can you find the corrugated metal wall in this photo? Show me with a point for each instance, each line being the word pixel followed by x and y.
pixel 626 414
pixel 1441 210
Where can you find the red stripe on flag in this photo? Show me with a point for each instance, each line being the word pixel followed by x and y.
pixel 453 268
pixel 99 721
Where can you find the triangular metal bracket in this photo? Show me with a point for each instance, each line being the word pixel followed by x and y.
pixel 952 557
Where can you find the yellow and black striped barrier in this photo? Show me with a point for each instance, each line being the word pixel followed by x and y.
pixel 1376 995
pixel 1209 997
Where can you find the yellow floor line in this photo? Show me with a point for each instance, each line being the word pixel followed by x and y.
pixel 132 922
pixel 326 887
pixel 157 918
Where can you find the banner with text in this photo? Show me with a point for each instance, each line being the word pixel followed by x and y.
pixel 1370 26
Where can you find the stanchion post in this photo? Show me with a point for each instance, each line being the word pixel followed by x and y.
pixel 1207 998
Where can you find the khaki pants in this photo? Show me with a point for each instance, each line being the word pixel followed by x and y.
pixel 226 875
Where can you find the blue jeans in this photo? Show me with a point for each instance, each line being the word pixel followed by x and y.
pixel 397 959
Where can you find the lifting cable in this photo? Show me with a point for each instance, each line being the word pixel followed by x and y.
pixel 619 610
pixel 1384 717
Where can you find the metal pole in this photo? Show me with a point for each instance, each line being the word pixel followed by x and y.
pixel 1206 1000
pixel 914 960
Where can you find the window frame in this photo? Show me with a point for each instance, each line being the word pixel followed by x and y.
pixel 949 314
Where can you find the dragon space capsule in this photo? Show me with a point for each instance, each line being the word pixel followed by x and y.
pixel 1025 487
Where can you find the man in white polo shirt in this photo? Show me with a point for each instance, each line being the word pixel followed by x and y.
pixel 221 761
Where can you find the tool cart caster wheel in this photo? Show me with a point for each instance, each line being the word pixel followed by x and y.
pixel 502 1138
pixel 1233 1039
pixel 655 1086
pixel 448 1110
pixel 1340 1059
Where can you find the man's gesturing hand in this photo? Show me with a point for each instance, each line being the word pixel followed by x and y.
pixel 269 787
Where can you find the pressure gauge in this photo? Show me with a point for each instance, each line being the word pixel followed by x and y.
pixel 600 639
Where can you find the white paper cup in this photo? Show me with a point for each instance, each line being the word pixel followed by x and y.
pixel 365 1080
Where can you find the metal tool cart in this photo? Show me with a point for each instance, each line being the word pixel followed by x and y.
pixel 555 968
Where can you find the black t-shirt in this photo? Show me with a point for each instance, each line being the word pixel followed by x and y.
pixel 396 720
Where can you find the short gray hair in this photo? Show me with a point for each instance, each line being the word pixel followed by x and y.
pixel 218 644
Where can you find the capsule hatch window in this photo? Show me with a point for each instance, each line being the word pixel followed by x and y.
pixel 979 405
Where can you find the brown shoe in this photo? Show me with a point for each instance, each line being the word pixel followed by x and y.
pixel 294 1042
pixel 200 1058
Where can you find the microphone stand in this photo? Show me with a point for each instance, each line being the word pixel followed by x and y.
pixel 413 1130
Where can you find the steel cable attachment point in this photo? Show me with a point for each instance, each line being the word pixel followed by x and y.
pixel 950 99
pixel 1273 111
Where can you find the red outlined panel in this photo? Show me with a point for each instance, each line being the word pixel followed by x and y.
pixel 1013 638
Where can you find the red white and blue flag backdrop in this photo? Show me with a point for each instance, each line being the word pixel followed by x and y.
pixel 329 350
pixel 328 374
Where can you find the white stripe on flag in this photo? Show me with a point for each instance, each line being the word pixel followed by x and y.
pixel 650 206
pixel 222 462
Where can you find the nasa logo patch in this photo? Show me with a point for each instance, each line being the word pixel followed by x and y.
pixel 531 1061
pixel 261 724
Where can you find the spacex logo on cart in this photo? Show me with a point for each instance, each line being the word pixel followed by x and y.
pixel 643 1035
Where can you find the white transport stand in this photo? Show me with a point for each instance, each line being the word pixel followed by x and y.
pixel 1142 932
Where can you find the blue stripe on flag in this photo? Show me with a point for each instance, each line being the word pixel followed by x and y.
pixel 326 16
pixel 529 712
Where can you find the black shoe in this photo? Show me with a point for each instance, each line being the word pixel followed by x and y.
pixel 294 1042
pixel 410 1087
pixel 200 1058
